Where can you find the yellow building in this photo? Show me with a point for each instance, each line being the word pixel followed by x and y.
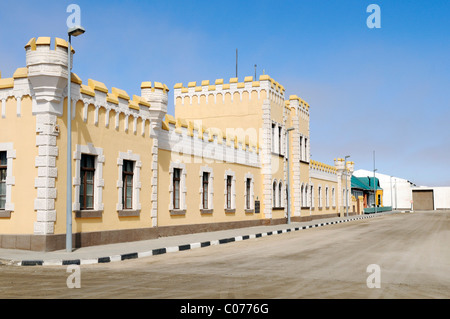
pixel 137 173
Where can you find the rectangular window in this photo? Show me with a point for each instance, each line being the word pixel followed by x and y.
pixel 176 188
pixel 127 178
pixel 248 193
pixel 205 190
pixel 319 190
pixel 229 181
pixel 301 146
pixel 273 137
pixel 306 156
pixel 87 172
pixel 279 140
pixel 3 169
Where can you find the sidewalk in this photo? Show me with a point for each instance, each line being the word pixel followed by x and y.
pixel 145 248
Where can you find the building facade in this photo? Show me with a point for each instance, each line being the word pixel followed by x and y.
pixel 224 160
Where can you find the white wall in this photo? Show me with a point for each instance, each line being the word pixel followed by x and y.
pixel 401 189
pixel 441 197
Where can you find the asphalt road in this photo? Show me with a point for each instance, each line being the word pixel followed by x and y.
pixel 411 250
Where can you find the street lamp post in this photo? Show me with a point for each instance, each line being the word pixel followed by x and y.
pixel 374 185
pixel 74 31
pixel 288 177
pixel 346 187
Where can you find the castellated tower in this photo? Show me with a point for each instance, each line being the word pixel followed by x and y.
pixel 156 95
pixel 158 98
pixel 47 73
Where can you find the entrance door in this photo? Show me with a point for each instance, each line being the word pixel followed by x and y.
pixel 423 199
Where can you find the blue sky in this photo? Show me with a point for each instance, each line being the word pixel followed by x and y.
pixel 384 89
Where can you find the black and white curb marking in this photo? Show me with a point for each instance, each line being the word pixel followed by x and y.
pixel 172 249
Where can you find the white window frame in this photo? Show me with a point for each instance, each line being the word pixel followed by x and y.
pixel 319 195
pixel 280 194
pixel 10 179
pixel 333 196
pixel 99 182
pixel 229 172
pixel 136 158
pixel 274 193
pixel 327 196
pixel 183 189
pixel 252 191
pixel 209 170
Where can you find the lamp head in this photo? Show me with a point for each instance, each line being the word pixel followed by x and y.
pixel 76 31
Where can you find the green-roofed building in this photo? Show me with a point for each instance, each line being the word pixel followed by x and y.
pixel 364 186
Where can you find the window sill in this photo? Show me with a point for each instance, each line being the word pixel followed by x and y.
pixel 278 154
pixel 230 211
pixel 88 213
pixel 177 212
pixel 249 211
pixel 206 211
pixel 277 208
pixel 5 213
pixel 129 212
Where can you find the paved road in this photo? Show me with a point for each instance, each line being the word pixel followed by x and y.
pixel 411 249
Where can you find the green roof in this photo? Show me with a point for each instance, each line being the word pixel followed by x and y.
pixel 365 183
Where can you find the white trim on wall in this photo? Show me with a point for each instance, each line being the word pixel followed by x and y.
pixel 99 182
pixel 136 158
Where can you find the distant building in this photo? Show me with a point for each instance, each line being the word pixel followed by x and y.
pixel 396 190
pixel 364 187
pixel 403 194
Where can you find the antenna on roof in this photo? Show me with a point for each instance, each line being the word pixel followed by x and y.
pixel 255 72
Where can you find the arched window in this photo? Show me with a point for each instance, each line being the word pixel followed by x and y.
pixel 301 196
pixel 274 194
pixel 280 194
pixel 305 196
pixel 333 197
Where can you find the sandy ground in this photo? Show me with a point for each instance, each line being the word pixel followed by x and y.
pixel 411 249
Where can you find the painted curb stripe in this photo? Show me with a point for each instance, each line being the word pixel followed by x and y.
pixel 129 256
pixel 161 251
pixel 70 262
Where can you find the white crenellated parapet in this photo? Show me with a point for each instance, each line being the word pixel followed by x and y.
pixel 209 145
pixel 323 171
pixel 274 90
pixel 47 73
pixel 157 96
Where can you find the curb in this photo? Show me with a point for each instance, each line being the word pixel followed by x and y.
pixel 165 250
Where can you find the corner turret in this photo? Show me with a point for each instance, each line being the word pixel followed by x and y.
pixel 47 73
pixel 157 96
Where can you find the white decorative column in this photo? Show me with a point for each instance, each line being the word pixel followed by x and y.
pixel 157 96
pixel 266 160
pixel 47 75
pixel 45 162
pixel 340 167
pixel 295 134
